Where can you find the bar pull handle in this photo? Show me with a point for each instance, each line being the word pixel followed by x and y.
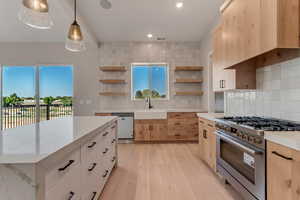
pixel 105 174
pixel 92 145
pixel 105 134
pixel 72 194
pixel 281 156
pixel 68 165
pixel 204 133
pixel 94 195
pixel 93 167
pixel 105 151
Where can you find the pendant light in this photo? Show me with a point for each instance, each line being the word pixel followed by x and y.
pixel 75 40
pixel 35 13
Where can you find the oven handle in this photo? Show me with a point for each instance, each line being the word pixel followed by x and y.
pixel 252 151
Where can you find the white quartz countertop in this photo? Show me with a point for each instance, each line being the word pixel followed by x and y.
pixel 210 116
pixel 33 143
pixel 158 109
pixel 288 139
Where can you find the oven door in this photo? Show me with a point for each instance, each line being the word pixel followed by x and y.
pixel 245 163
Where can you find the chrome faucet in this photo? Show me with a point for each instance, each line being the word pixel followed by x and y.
pixel 148 103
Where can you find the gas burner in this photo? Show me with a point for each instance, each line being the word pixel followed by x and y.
pixel 264 124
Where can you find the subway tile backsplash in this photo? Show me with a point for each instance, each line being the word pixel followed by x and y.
pixel 277 94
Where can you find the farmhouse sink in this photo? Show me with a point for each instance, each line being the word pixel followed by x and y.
pixel 150 114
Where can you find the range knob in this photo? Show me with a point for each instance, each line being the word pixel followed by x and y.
pixel 257 140
pixel 251 139
pixel 244 137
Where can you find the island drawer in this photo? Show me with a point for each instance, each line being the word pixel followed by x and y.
pixel 92 194
pixel 69 188
pixel 91 175
pixel 57 171
pixel 108 133
pixel 90 149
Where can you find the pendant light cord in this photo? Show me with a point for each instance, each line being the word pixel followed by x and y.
pixel 75 10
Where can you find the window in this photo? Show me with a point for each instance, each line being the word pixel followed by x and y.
pixel 150 80
pixel 35 93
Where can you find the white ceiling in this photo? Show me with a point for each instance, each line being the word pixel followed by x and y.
pixel 131 20
pixel 128 20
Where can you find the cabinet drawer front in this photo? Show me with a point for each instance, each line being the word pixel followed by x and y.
pixel 181 115
pixel 177 123
pixel 91 175
pixel 69 188
pixel 62 168
pixel 90 149
pixel 93 194
pixel 278 151
pixel 105 174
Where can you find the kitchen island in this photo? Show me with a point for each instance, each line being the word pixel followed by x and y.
pixel 67 158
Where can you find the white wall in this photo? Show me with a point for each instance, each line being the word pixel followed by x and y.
pixel 173 53
pixel 206 49
pixel 85 68
pixel 277 94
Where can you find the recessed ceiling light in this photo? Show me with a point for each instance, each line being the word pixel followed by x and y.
pixel 179 4
pixel 150 35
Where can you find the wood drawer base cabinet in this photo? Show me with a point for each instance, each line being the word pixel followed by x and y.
pixel 77 172
pixel 207 142
pixel 283 168
pixel 177 127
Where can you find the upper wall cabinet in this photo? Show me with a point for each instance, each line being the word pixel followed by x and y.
pixel 252 28
pixel 243 77
pixel 241 31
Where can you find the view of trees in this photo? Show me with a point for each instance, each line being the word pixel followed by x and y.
pixel 148 93
pixel 14 100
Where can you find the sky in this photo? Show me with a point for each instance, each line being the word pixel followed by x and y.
pixel 54 81
pixel 145 77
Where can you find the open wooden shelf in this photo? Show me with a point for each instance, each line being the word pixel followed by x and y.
pixel 112 81
pixel 189 68
pixel 113 69
pixel 182 80
pixel 189 93
pixel 112 93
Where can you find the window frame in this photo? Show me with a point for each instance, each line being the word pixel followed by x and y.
pixel 167 80
pixel 37 86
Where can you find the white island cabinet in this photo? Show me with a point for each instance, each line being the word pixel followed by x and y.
pixel 62 159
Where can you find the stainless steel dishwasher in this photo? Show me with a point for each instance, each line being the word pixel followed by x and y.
pixel 125 125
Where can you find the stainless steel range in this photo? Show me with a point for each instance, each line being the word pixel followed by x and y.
pixel 241 152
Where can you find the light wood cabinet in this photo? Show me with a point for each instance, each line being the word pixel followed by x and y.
pixel 207 142
pixel 151 130
pixel 283 166
pixel 243 77
pixel 182 126
pixel 280 24
pixel 248 32
pixel 177 127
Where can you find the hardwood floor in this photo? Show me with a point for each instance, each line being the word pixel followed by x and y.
pixel 164 172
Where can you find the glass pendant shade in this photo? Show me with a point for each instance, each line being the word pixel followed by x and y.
pixel 75 40
pixel 35 13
